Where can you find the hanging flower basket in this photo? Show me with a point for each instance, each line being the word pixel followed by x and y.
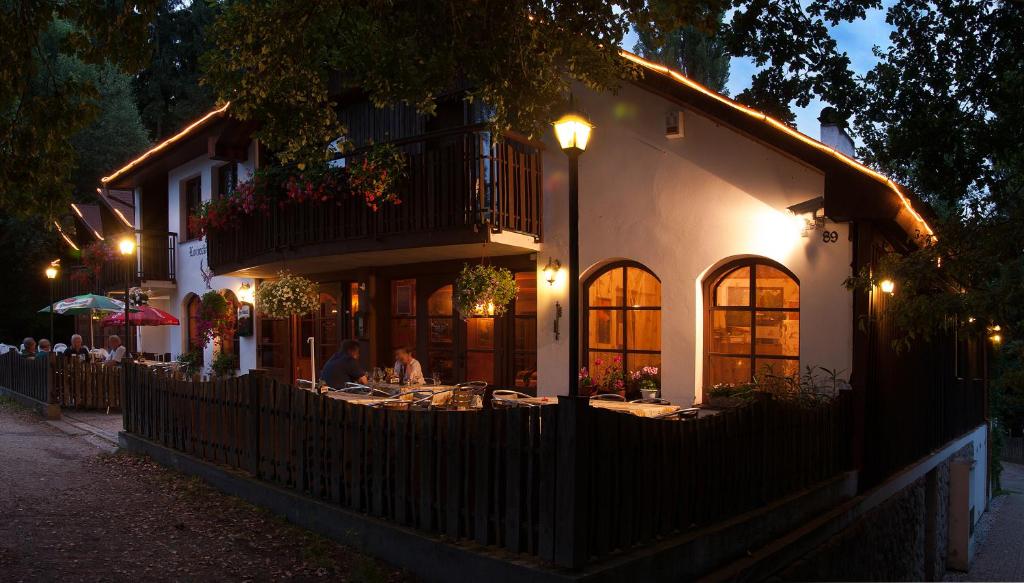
pixel 375 176
pixel 138 296
pixel 214 320
pixel 484 290
pixel 95 256
pixel 287 296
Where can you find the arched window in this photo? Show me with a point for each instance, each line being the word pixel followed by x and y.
pixel 751 323
pixel 622 317
pixel 231 344
pixel 192 340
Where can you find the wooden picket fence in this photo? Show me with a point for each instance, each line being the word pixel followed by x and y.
pixel 499 477
pixel 86 385
pixel 1013 450
pixel 27 376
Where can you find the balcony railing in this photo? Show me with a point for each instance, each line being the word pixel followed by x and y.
pixel 153 261
pixel 456 181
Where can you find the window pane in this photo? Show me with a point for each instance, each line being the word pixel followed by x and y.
pixel 440 302
pixel 598 362
pixel 734 288
pixel 480 366
pixel 778 333
pixel 526 371
pixel 775 289
pixel 607 289
pixel 728 369
pixel 526 334
pixel 480 334
pixel 643 329
pixel 441 362
pixel 638 361
pixel 777 367
pixel 605 329
pixel 642 288
pixel 403 332
pixel 730 332
pixel 441 330
pixel 403 297
pixel 526 301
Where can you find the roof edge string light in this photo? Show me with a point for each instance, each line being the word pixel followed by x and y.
pixel 679 77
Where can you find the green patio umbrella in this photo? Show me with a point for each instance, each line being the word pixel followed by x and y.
pixel 87 304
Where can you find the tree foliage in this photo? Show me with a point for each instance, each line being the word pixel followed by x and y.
pixel 167 89
pixel 40 110
pixel 700 54
pixel 285 62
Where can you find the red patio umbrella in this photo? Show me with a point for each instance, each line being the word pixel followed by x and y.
pixel 145 316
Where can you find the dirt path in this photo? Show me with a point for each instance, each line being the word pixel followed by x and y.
pixel 70 512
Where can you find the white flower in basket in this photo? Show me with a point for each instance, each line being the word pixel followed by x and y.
pixel 287 296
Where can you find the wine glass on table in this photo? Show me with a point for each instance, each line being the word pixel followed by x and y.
pixel 435 377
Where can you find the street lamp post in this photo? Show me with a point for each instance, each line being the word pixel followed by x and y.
pixel 573 133
pixel 51 274
pixel 127 248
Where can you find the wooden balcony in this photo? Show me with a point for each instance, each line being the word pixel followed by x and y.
pixel 460 186
pixel 154 260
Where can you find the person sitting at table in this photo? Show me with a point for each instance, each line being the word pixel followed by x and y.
pixel 408 368
pixel 44 346
pixel 343 367
pixel 77 348
pixel 115 352
pixel 28 347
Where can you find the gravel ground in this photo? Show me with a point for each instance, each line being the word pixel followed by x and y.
pixel 71 512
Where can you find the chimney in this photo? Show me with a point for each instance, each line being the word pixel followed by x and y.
pixel 833 131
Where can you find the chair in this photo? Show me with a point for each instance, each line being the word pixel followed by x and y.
pixel 60 347
pixel 681 414
pixel 503 399
pixel 608 397
pixel 652 401
pixel 304 384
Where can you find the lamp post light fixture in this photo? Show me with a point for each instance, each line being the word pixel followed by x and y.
pixel 887 286
pixel 127 248
pixel 573 133
pixel 51 274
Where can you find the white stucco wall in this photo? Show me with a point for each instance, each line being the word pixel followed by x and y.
pixel 192 256
pixel 682 207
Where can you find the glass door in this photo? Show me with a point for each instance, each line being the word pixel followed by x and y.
pixel 322 326
pixel 441 345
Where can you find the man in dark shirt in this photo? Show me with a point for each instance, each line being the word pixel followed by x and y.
pixel 343 367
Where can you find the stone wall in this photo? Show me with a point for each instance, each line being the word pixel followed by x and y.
pixel 905 538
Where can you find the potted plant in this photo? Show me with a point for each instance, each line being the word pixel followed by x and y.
pixel 484 290
pixel 286 296
pixel 646 381
pixel 224 365
pixel 190 363
pixel 587 386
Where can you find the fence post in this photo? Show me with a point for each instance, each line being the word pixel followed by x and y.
pixel 255 382
pixel 571 482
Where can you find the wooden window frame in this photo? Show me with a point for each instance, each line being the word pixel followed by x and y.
pixel 711 283
pixel 625 351
pixel 183 195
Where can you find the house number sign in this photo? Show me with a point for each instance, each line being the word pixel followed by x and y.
pixel 829 236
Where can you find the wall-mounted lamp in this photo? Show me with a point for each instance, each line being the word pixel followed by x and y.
pixel 245 293
pixel 551 270
pixel 887 286
pixel 809 207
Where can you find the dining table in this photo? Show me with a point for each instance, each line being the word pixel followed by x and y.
pixel 440 394
pixel 638 409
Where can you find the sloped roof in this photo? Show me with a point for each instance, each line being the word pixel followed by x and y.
pixel 91 217
pixel 908 210
pixel 121 203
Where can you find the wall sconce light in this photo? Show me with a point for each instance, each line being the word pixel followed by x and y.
pixel 245 293
pixel 810 207
pixel 887 286
pixel 551 271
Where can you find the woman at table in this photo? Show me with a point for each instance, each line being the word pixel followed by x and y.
pixel 408 368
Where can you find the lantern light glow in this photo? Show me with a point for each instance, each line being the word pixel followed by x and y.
pixel 126 246
pixel 887 286
pixel 51 272
pixel 573 132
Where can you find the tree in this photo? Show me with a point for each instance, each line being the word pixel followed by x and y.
pixel 40 110
pixel 167 89
pixel 284 64
pixel 942 115
pixel 701 55
pixel 115 135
